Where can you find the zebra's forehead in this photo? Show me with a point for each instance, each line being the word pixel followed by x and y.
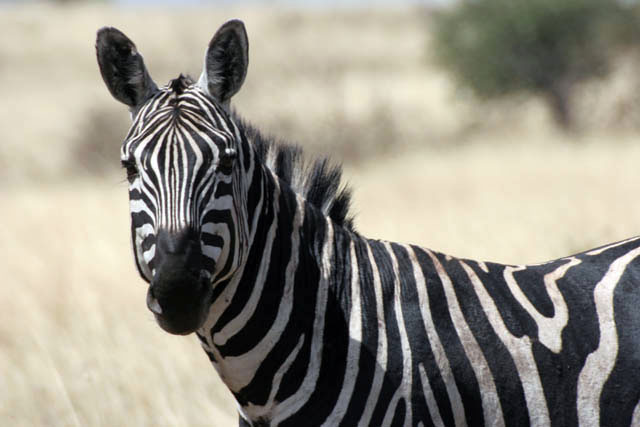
pixel 179 114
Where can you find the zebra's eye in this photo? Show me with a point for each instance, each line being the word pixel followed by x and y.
pixel 130 167
pixel 226 160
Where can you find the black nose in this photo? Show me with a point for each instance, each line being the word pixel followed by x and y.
pixel 179 293
pixel 177 259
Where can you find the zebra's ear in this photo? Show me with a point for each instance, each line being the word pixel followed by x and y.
pixel 226 62
pixel 122 68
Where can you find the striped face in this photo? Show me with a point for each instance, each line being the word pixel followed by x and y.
pixel 188 221
pixel 175 157
pixel 179 157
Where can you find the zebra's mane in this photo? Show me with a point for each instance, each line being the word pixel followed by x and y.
pixel 318 181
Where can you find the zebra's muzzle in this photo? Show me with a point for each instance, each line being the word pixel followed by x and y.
pixel 180 307
pixel 180 290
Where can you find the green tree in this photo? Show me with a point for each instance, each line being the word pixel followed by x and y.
pixel 501 47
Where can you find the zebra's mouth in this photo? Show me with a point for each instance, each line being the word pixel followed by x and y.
pixel 182 307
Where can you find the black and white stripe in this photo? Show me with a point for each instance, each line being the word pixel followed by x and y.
pixel 175 154
pixel 310 323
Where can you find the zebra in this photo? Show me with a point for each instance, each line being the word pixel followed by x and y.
pixel 251 246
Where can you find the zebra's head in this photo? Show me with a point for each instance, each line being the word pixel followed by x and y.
pixel 188 226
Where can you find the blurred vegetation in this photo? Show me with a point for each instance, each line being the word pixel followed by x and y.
pixel 545 47
pixel 350 84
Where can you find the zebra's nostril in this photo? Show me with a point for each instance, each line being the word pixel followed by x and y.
pixel 152 302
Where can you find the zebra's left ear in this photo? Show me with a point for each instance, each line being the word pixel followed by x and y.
pixel 226 62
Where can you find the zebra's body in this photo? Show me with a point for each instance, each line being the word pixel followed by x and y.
pixel 309 323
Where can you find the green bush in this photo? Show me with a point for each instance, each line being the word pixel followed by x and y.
pixel 501 47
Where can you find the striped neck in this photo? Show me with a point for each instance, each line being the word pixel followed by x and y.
pixel 260 327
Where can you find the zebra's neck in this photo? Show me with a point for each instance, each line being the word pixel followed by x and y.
pixel 260 332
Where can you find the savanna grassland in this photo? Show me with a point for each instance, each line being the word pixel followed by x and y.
pixel 427 163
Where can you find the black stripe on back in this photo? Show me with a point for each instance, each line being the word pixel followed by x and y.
pixel 421 352
pixel 395 364
pixel 367 359
pixel 463 373
pixel 621 392
pixel 503 369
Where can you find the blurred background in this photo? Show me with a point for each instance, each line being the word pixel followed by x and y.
pixel 502 130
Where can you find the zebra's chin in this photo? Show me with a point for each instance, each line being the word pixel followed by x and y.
pixel 184 315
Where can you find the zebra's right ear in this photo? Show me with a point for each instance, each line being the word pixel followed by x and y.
pixel 122 68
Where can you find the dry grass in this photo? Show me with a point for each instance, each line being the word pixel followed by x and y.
pixel 506 201
pixel 77 345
